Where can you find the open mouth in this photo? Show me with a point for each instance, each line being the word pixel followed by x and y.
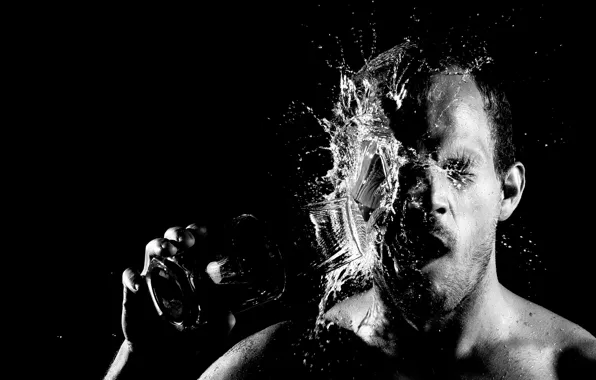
pixel 428 246
pixel 415 247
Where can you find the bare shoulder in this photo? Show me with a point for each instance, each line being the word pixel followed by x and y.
pixel 245 358
pixel 570 349
pixel 576 356
pixel 543 324
pixel 576 359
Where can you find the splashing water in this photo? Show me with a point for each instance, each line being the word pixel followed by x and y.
pixel 366 162
pixel 350 224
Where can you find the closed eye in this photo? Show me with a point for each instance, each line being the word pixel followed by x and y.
pixel 459 169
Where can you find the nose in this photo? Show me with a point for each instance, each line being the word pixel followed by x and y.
pixel 429 190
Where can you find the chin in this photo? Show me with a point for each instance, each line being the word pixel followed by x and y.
pixel 428 292
pixel 437 270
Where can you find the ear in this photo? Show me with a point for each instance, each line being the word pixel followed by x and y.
pixel 513 187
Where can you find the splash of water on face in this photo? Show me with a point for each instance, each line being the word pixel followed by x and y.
pixel 366 162
pixel 351 221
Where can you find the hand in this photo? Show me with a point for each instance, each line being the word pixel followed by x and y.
pixel 156 339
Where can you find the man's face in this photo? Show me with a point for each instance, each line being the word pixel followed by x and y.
pixel 443 236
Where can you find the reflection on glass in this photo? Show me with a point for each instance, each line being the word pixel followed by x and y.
pixel 247 273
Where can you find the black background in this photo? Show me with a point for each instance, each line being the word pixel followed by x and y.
pixel 139 118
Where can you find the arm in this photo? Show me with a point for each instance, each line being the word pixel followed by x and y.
pixel 125 364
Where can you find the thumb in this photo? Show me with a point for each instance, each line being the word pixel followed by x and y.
pixel 133 308
pixel 131 283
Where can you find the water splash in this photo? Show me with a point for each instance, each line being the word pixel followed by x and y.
pixel 373 46
pixel 350 222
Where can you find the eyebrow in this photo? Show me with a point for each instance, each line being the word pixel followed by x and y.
pixel 453 143
pixel 475 154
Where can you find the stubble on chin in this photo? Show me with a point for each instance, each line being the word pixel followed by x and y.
pixel 406 290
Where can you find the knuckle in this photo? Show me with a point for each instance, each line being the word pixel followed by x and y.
pixel 129 277
pixel 160 247
pixel 186 238
pixel 198 231
pixel 173 233
pixel 182 236
pixel 153 247
pixel 192 226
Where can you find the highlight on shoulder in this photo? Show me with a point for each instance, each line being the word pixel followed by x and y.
pixel 245 359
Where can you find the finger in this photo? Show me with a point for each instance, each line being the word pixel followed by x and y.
pixel 131 280
pixel 199 232
pixel 183 237
pixel 160 247
pixel 135 309
pixel 131 283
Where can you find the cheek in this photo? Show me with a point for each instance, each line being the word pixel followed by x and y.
pixel 479 210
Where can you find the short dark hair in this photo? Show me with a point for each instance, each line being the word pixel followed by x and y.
pixel 412 66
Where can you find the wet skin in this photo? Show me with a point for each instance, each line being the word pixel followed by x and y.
pixel 441 312
pixel 453 198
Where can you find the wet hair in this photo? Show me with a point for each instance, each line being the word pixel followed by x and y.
pixel 412 66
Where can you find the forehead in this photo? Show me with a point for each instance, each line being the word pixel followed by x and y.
pixel 455 115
